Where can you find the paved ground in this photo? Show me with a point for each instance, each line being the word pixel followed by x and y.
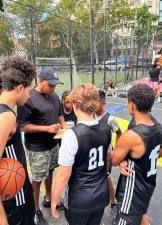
pixel 117 106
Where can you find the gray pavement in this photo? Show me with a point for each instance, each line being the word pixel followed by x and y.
pixel 117 107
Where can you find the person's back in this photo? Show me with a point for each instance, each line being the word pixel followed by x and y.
pixel 83 162
pixel 140 147
pixel 87 174
pixel 143 180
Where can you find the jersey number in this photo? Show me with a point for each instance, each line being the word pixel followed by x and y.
pixel 153 157
pixel 95 161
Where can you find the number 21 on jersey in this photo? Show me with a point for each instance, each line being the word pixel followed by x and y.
pixel 95 158
pixel 153 157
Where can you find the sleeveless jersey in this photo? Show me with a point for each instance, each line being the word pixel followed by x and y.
pixel 14 149
pixel 105 118
pixel 87 189
pixel 132 123
pixel 134 193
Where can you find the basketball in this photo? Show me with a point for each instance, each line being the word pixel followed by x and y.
pixel 12 177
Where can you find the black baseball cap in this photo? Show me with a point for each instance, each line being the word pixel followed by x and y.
pixel 50 76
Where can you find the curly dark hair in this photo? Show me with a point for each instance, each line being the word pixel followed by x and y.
pixel 142 96
pixel 15 71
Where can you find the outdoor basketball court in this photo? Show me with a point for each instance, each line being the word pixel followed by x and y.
pixel 117 107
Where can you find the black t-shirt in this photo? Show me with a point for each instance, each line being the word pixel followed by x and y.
pixel 69 116
pixel 40 110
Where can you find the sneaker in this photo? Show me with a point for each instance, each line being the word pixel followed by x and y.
pixel 47 204
pixel 158 99
pixel 39 218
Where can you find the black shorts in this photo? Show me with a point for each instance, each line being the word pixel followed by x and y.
pixel 93 218
pixel 21 215
pixel 124 219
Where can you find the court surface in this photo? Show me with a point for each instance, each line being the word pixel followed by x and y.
pixel 117 107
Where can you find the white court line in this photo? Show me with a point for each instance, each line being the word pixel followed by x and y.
pixel 117 103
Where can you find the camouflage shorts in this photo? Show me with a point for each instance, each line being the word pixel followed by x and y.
pixel 42 162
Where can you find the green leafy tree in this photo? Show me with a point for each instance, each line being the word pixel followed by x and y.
pixel 144 27
pixel 21 21
pixel 6 36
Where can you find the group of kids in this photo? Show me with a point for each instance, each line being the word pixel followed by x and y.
pixel 85 155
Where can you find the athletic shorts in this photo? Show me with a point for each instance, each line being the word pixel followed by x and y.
pixel 124 219
pixel 93 218
pixel 41 163
pixel 21 215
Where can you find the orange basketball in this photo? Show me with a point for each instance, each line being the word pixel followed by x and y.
pixel 12 177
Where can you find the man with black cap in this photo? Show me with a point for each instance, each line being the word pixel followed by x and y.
pixel 40 118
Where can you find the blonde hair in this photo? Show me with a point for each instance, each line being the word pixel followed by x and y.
pixel 85 97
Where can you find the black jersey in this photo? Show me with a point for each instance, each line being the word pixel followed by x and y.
pixel 87 189
pixel 14 149
pixel 69 116
pixel 134 193
pixel 104 119
pixel 132 123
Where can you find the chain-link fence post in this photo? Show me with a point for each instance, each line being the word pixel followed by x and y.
pixel 116 58
pixel 133 56
pixel 137 60
pixel 70 54
pixel 91 32
pixel 126 58
pixel 105 25
pixel 32 28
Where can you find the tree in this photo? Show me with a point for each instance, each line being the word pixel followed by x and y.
pixel 21 22
pixel 68 23
pixel 144 27
pixel 6 36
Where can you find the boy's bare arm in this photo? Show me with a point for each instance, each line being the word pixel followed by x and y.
pixel 8 126
pixel 62 177
pixel 125 144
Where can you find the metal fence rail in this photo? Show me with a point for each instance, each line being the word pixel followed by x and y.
pixel 77 51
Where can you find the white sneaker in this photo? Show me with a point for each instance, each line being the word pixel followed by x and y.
pixel 158 99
